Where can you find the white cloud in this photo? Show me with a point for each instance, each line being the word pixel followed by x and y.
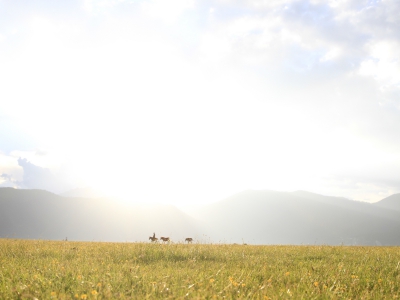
pixel 167 11
pixel 94 6
pixel 10 171
pixel 39 157
pixel 253 94
pixel 332 54
pixel 383 64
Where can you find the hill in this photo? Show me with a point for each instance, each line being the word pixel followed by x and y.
pixel 256 217
pixel 38 214
pixel 83 193
pixel 267 217
pixel 391 202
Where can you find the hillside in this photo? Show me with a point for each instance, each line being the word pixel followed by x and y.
pixel 37 214
pixel 83 193
pixel 256 217
pixel 392 202
pixel 267 217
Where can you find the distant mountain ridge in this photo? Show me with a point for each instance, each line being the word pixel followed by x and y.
pixel 257 217
pixel 392 202
pixel 268 217
pixel 83 193
pixel 38 214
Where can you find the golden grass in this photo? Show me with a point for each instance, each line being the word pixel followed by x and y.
pixel 83 270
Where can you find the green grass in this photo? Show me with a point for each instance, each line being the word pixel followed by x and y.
pixel 77 270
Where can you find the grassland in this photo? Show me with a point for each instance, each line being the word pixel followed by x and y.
pixel 76 270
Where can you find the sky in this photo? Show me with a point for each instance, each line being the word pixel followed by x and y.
pixel 189 101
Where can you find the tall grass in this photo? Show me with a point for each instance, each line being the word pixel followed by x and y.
pixel 77 270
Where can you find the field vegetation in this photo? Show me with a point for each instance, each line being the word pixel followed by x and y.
pixel 31 269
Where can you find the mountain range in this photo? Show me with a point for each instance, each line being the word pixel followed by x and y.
pixel 254 217
pixel 38 214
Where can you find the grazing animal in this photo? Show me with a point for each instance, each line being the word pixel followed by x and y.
pixel 153 238
pixel 164 239
pixel 189 240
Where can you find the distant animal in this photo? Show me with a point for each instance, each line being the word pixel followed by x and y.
pixel 153 238
pixel 164 239
pixel 189 240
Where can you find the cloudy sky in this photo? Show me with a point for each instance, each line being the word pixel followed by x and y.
pixel 191 101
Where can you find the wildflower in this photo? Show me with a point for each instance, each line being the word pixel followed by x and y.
pixel 379 280
pixel 79 277
pixel 94 292
pixel 287 273
pixel 76 296
pixel 325 287
pixel 99 285
pixel 234 283
pixel 53 294
pixel 212 280
pixel 83 296
pixel 316 283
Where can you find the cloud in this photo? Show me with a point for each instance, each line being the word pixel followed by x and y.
pixel 261 87
pixel 360 188
pixel 168 11
pixel 7 180
pixel 334 60
pixel 383 65
pixel 35 177
pixel 90 5
pixel 319 32
pixel 10 172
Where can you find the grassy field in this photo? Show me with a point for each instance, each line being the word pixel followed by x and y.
pixel 76 270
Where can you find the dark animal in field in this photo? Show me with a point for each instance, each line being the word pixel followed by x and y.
pixel 153 238
pixel 189 240
pixel 165 239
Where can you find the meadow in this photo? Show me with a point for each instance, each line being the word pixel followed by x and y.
pixel 31 269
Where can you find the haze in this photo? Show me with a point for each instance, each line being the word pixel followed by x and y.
pixel 189 102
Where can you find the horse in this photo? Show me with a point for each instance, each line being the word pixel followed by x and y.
pixel 153 238
pixel 165 239
pixel 189 240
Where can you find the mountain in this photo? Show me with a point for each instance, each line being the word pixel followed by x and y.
pixel 256 217
pixel 38 214
pixel 83 193
pixel 268 217
pixel 391 202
